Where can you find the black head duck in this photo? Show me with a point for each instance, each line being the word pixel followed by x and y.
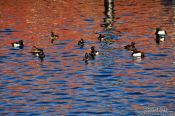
pixel 136 53
pixel 130 47
pixel 101 37
pixel 81 42
pixel 53 37
pixel 160 34
pixel 19 44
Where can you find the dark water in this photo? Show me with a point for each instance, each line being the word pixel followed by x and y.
pixel 114 84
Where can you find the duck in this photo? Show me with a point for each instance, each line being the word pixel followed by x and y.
pixel 53 37
pixel 130 47
pixel 91 55
pixel 37 51
pixel 81 42
pixel 136 53
pixel 19 44
pixel 94 51
pixel 160 34
pixel 101 37
pixel 41 55
pixel 86 58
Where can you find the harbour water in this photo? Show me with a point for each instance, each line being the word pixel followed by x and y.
pixel 113 84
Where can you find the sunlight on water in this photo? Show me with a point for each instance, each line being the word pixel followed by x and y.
pixel 112 84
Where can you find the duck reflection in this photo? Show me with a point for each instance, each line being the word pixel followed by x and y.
pixel 109 15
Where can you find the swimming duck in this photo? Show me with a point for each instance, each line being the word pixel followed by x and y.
pixel 130 47
pixel 53 37
pixel 160 34
pixel 136 53
pixel 86 58
pixel 101 37
pixel 41 55
pixel 37 51
pixel 93 53
pixel 81 42
pixel 19 44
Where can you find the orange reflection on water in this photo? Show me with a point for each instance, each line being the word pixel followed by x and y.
pixel 17 87
pixel 138 107
pixel 137 23
pixel 9 72
pixel 72 20
pixel 137 83
pixel 40 17
pixel 170 82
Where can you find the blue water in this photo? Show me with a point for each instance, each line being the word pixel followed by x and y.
pixel 113 84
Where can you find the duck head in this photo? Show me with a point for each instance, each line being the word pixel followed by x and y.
pixel 132 43
pixel 93 48
pixel 52 34
pixel 21 42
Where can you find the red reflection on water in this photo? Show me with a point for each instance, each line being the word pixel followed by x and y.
pixel 142 17
pixel 17 87
pixel 137 83
pixel 34 20
pixel 138 107
pixel 170 82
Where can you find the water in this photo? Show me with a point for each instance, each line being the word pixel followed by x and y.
pixel 113 84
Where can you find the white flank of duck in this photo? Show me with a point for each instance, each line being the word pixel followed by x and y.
pixel 137 54
pixel 162 32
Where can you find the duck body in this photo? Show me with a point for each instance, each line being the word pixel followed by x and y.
pixel 41 55
pixel 19 44
pixel 136 53
pixel 86 58
pixel 53 37
pixel 130 47
pixel 101 37
pixel 38 52
pixel 81 43
pixel 160 34
pixel 91 55
pixel 94 51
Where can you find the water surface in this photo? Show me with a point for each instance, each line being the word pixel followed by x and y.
pixel 113 84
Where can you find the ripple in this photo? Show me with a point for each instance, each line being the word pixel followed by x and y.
pixel 134 93
pixel 89 20
pixel 112 84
